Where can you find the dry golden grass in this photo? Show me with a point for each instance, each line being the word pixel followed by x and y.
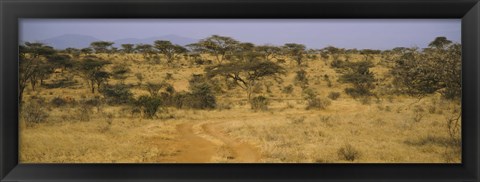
pixel 390 129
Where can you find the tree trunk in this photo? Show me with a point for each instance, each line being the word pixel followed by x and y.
pixel 33 83
pixel 20 94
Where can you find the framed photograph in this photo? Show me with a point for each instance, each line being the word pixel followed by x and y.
pixel 239 90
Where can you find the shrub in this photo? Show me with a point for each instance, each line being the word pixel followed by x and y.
pixel 348 152
pixel 202 96
pixel 338 64
pixel 202 62
pixel 149 105
pixel 301 78
pixel 334 95
pixel 58 102
pixel 117 94
pixel 154 88
pixel 288 89
pixel 298 120
pixel 139 77
pixel 168 76
pixel 84 112
pixel 259 103
pixel 313 101
pixel 33 113
pixel 360 77
pixel 120 71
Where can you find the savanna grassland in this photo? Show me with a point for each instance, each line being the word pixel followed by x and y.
pixel 222 100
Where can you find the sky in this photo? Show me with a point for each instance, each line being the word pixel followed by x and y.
pixel 314 33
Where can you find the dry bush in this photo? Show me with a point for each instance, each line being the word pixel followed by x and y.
pixel 334 95
pixel 84 112
pixel 348 152
pixel 108 120
pixel 33 113
pixel 58 102
pixel 259 103
pixel 288 89
pixel 313 102
pixel 224 106
pixel 298 120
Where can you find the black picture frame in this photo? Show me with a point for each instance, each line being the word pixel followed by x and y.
pixel 12 10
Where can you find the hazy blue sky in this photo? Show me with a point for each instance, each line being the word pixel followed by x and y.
pixel 351 33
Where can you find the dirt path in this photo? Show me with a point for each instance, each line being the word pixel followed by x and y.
pixel 198 147
pixel 239 151
pixel 194 149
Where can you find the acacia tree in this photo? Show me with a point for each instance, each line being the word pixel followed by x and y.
pixel 268 51
pixel 440 43
pixel 332 51
pixel 368 53
pixel 246 75
pixel 245 52
pixel 435 69
pixel 218 46
pixel 145 49
pixel 362 79
pixel 35 49
pixel 101 46
pixel 295 51
pixel 169 50
pixel 32 64
pixel 60 61
pixel 86 51
pixel 92 70
pixel 127 48
pixel 72 51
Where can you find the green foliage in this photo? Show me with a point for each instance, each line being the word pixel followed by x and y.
pixel 246 75
pixel 145 49
pixel 149 105
pixel 436 69
pixel 362 79
pixel 32 65
pixel 295 51
pixel 117 94
pixel 101 46
pixel 92 70
pixel 301 79
pixel 368 53
pixel 339 64
pixel 127 48
pixel 440 43
pixel 169 50
pixel 202 96
pixel 86 51
pixel 120 71
pixel 218 46
pixel 268 51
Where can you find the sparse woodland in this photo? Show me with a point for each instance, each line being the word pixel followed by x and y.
pixel 222 100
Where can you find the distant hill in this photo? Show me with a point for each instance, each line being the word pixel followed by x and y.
pixel 82 41
pixel 172 38
pixel 70 40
